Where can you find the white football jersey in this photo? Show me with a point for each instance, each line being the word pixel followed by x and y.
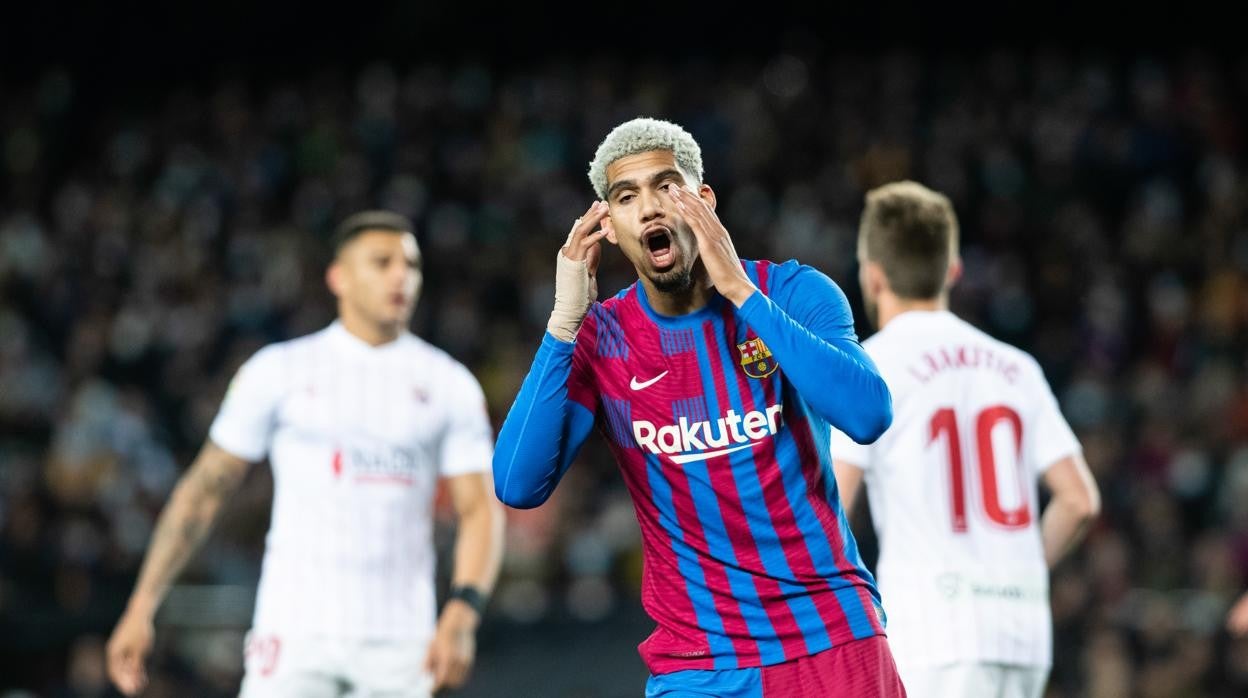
pixel 953 492
pixel 357 437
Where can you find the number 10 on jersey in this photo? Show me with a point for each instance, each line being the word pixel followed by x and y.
pixel 945 423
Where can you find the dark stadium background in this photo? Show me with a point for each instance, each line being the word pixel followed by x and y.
pixel 168 175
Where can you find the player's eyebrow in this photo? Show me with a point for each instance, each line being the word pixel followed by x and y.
pixel 654 179
pixel 618 185
pixel 669 173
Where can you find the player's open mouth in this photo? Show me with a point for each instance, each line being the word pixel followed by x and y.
pixel 658 245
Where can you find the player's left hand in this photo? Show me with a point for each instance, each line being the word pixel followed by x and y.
pixel 454 646
pixel 714 246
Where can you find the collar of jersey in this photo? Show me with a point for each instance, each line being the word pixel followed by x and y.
pixel 706 312
pixel 916 317
pixel 353 343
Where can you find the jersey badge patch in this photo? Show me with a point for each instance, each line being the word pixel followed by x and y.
pixel 756 359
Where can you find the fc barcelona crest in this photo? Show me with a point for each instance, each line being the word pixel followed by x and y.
pixel 756 358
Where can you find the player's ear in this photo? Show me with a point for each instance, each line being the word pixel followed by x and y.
pixel 955 272
pixel 876 280
pixel 707 194
pixel 334 279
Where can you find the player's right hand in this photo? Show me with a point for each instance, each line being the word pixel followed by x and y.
pixel 127 651
pixel 576 283
pixel 582 244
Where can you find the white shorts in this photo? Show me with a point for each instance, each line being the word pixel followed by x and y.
pixel 279 666
pixel 974 680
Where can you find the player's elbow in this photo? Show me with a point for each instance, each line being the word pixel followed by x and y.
pixel 870 427
pixel 516 502
pixel 872 418
pixel 1086 504
pixel 520 498
pixel 1081 505
pixel 524 478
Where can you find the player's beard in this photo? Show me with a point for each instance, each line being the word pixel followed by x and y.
pixel 678 280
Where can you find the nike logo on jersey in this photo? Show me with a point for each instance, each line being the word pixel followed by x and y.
pixel 638 385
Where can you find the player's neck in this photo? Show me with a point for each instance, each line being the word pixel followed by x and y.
pixel 371 333
pixel 891 306
pixel 677 303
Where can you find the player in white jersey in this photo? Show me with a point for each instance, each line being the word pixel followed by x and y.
pixel 964 550
pixel 359 421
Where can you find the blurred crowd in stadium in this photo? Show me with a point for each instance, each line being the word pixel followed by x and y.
pixel 143 257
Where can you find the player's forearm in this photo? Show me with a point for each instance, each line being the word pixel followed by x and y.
pixel 573 298
pixel 838 380
pixel 848 485
pixel 542 432
pixel 479 546
pixel 1065 522
pixel 183 525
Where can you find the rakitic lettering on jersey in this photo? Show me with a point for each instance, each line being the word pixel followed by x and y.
pixel 688 441
pixel 756 359
pixel 933 363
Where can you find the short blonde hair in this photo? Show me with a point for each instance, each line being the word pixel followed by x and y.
pixel 912 233
pixel 643 135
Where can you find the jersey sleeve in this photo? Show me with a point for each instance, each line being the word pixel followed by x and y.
pixel 806 323
pixel 468 443
pixel 850 451
pixel 244 424
pixel 548 422
pixel 1052 438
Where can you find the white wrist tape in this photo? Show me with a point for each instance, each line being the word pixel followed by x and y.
pixel 572 297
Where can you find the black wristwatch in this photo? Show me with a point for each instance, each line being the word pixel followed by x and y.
pixel 469 595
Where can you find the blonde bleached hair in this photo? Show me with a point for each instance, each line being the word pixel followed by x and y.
pixel 643 135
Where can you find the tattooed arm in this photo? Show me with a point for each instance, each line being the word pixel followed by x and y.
pixel 185 523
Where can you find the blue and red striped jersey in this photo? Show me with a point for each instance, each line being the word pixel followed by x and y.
pixel 719 423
